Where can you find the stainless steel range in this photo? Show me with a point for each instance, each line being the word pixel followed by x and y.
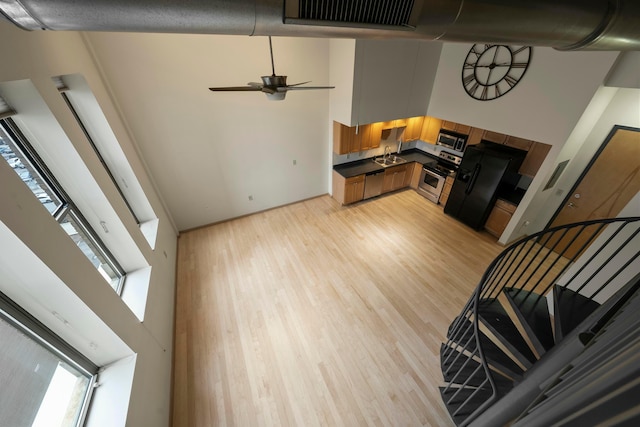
pixel 435 173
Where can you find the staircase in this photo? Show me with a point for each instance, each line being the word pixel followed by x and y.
pixel 536 293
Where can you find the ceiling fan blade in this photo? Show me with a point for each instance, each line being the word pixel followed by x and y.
pixel 254 84
pixel 298 84
pixel 236 89
pixel 269 89
pixel 286 88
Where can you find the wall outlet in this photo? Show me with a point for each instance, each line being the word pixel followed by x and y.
pixel 294 162
pixel 250 197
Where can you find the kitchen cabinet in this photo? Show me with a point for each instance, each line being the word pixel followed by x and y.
pixel 498 138
pixel 536 155
pixel 456 127
pixel 508 140
pixel 444 196
pixel 519 143
pixel 430 129
pixel 415 175
pixel 370 136
pixel 346 140
pixel 381 79
pixel 499 217
pixel 342 138
pixel 475 136
pixel 413 129
pixel 347 190
pixel 408 174
pixel 394 178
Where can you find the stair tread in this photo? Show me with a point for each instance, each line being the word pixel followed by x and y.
pixel 535 312
pixel 571 309
pixel 480 397
pixel 450 369
pixel 495 317
pixel 493 354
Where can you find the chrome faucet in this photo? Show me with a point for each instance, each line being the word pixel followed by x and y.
pixel 387 152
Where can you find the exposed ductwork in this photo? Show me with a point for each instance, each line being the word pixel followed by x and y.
pixel 562 24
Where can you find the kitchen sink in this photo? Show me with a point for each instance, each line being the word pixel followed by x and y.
pixel 389 161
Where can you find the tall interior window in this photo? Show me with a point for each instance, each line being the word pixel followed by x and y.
pixel 21 156
pixel 45 382
pixel 62 88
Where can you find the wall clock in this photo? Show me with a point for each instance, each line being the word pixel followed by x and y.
pixel 492 70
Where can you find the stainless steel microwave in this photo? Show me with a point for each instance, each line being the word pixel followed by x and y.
pixel 452 140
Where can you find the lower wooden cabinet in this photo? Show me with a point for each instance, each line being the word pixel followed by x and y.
pixel 415 175
pixel 394 178
pixel 444 196
pixel 499 217
pixel 348 190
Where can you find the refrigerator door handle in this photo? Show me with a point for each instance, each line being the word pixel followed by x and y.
pixel 472 181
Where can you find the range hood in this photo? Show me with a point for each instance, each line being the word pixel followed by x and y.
pixel 562 24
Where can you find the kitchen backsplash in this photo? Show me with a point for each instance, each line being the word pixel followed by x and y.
pixel 392 142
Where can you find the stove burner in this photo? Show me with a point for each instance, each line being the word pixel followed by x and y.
pixel 439 168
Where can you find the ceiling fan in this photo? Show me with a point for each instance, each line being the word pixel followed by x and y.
pixel 274 86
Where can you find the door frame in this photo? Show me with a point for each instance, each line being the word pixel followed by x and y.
pixel 586 170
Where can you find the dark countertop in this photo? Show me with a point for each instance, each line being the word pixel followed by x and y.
pixel 360 167
pixel 510 194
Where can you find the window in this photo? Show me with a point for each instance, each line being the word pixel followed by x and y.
pixel 109 149
pixel 66 98
pixel 19 154
pixel 44 381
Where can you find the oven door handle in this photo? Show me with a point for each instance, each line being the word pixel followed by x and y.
pixel 472 181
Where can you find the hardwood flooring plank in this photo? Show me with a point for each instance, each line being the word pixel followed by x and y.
pixel 316 314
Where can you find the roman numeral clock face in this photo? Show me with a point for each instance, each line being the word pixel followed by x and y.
pixel 491 70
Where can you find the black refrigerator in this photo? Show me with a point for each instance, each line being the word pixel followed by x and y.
pixel 484 168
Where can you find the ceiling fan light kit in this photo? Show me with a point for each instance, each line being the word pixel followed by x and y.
pixel 274 86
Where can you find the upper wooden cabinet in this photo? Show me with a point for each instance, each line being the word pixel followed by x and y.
pixel 381 79
pixel 536 155
pixel 498 138
pixel 430 129
pixel 456 127
pixel 413 129
pixel 347 140
pixel 475 136
pixel 508 140
pixel 519 143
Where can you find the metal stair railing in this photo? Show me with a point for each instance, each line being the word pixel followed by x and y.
pixel 594 258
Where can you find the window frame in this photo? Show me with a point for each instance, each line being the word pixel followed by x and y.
pixel 67 207
pixel 23 321
pixel 93 145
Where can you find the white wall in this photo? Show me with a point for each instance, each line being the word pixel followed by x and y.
pixel 545 106
pixel 62 284
pixel 209 152
pixel 609 107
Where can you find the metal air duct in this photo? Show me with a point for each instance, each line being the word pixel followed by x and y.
pixel 563 24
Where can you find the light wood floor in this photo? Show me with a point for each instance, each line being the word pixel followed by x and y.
pixel 316 314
